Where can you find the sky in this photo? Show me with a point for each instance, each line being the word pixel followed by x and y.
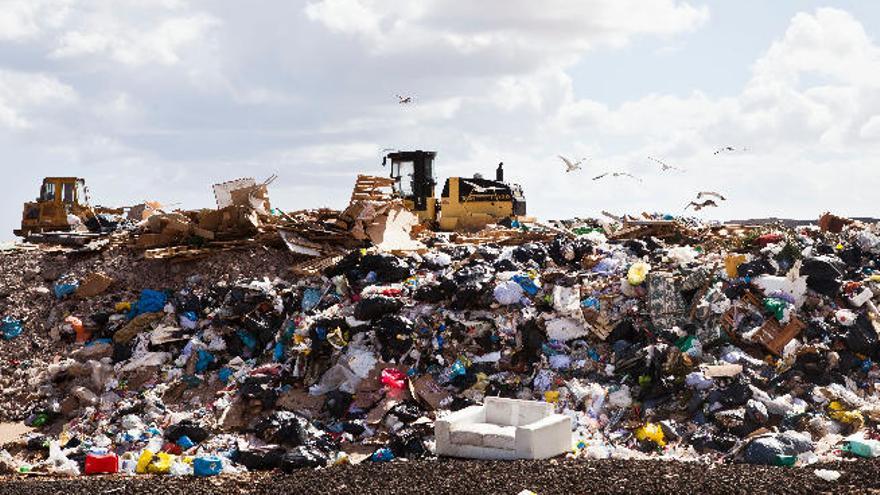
pixel 159 99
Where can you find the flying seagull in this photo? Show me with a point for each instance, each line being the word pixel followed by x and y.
pixel 404 100
pixel 710 193
pixel 729 149
pixel 617 174
pixel 663 166
pixel 572 166
pixel 700 206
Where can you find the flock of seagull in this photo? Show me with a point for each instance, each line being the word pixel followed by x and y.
pixel 574 165
pixel 703 198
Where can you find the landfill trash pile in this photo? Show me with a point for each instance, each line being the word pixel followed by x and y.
pixel 659 337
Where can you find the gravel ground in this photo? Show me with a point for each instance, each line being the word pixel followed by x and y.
pixel 465 477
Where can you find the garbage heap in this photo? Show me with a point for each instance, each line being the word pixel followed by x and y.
pixel 660 337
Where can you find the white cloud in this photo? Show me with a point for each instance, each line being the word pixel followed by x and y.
pixel 531 29
pixel 153 99
pixel 871 129
pixel 130 45
pixel 22 93
pixel 21 20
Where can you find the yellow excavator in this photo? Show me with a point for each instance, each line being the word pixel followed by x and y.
pixel 465 203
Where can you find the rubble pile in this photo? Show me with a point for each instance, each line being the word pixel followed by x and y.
pixel 660 337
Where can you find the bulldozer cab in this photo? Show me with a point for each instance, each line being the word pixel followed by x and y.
pixel 414 182
pixel 63 191
pixel 59 196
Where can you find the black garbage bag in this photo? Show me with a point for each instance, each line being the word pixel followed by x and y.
pixel 388 268
pixel 625 330
pixel 122 352
pixel 263 327
pixel 101 223
pixel 822 276
pixel 768 450
pixel 374 307
pixel 861 337
pixel 736 394
pixel 478 272
pixel 283 428
pixel 532 251
pixel 407 412
pixel 303 457
pixel 259 387
pixel 260 458
pixel 705 440
pixel 38 443
pixel 638 247
pixel 347 266
pixel 337 402
pixel 755 268
pixel 186 428
pixel 394 334
pixel 434 293
pixel 852 256
pixel 505 265
pixel 408 443
pixel 531 338
pixel 488 253
pixel 471 295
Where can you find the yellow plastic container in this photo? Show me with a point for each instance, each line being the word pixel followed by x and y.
pixel 652 432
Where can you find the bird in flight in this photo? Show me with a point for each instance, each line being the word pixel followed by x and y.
pixel 664 166
pixel 729 149
pixel 617 174
pixel 404 100
pixel 701 195
pixel 700 206
pixel 571 166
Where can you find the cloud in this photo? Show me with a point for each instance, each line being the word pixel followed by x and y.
pixel 21 20
pixel 23 94
pixel 531 30
pixel 157 100
pixel 134 46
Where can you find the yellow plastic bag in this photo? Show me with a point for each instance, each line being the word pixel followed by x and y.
pixel 652 432
pixel 161 464
pixel 838 412
pixel 551 396
pixel 732 262
pixel 122 307
pixel 143 461
pixel 637 273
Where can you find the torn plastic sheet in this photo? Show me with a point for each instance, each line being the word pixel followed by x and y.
pixel 565 329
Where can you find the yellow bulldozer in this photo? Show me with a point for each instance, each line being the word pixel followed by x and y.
pixel 465 203
pixel 62 206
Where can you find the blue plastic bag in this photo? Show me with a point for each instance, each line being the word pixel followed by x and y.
pixel 382 455
pixel 64 290
pixel 247 339
pixel 185 442
pixel 311 299
pixel 151 301
pixel 527 284
pixel 225 374
pixel 10 327
pixel 204 360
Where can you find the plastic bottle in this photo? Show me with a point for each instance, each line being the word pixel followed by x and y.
pixel 862 447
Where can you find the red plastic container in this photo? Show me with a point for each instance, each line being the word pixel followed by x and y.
pixel 102 464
